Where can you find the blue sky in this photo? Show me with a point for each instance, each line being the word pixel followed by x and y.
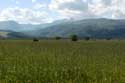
pixel 45 11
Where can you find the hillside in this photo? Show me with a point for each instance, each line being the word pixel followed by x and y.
pixel 11 34
pixel 94 28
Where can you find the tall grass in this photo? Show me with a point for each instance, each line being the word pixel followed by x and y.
pixel 62 61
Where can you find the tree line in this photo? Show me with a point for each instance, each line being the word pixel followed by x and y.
pixel 72 38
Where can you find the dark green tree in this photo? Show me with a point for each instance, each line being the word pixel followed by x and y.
pixel 109 38
pixel 35 40
pixel 74 38
pixel 57 38
pixel 87 38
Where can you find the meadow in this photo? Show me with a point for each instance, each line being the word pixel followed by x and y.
pixel 62 61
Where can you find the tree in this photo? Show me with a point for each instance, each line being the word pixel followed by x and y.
pixel 35 40
pixel 57 38
pixel 87 38
pixel 74 37
pixel 109 38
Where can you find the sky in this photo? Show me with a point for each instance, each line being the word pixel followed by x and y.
pixel 47 11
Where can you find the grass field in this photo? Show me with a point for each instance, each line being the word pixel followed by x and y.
pixel 51 61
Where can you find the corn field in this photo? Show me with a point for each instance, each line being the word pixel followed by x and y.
pixel 62 61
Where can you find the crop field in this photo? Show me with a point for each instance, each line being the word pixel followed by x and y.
pixel 62 61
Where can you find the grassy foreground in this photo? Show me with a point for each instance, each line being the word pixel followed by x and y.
pixel 62 61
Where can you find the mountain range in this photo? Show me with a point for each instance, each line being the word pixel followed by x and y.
pixel 94 28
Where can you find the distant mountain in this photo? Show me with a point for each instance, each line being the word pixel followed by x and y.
pixel 9 25
pixel 94 28
pixel 14 26
pixel 4 34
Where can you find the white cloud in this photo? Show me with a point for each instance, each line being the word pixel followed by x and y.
pixel 24 15
pixel 114 9
pixel 76 9
pixel 89 8
pixel 71 8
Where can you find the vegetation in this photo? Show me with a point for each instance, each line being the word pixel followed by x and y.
pixel 109 38
pixel 57 38
pixel 62 61
pixel 87 38
pixel 35 40
pixel 74 37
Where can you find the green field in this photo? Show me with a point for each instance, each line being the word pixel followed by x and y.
pixel 63 61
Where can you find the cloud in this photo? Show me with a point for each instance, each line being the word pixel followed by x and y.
pixel 65 9
pixel 24 15
pixel 115 9
pixel 70 8
pixel 89 8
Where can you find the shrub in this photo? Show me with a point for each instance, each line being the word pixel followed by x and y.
pixel 74 37
pixel 35 40
pixel 108 38
pixel 87 38
pixel 57 38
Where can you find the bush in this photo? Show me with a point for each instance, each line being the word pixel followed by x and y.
pixel 108 38
pixel 74 38
pixel 57 38
pixel 35 40
pixel 87 38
